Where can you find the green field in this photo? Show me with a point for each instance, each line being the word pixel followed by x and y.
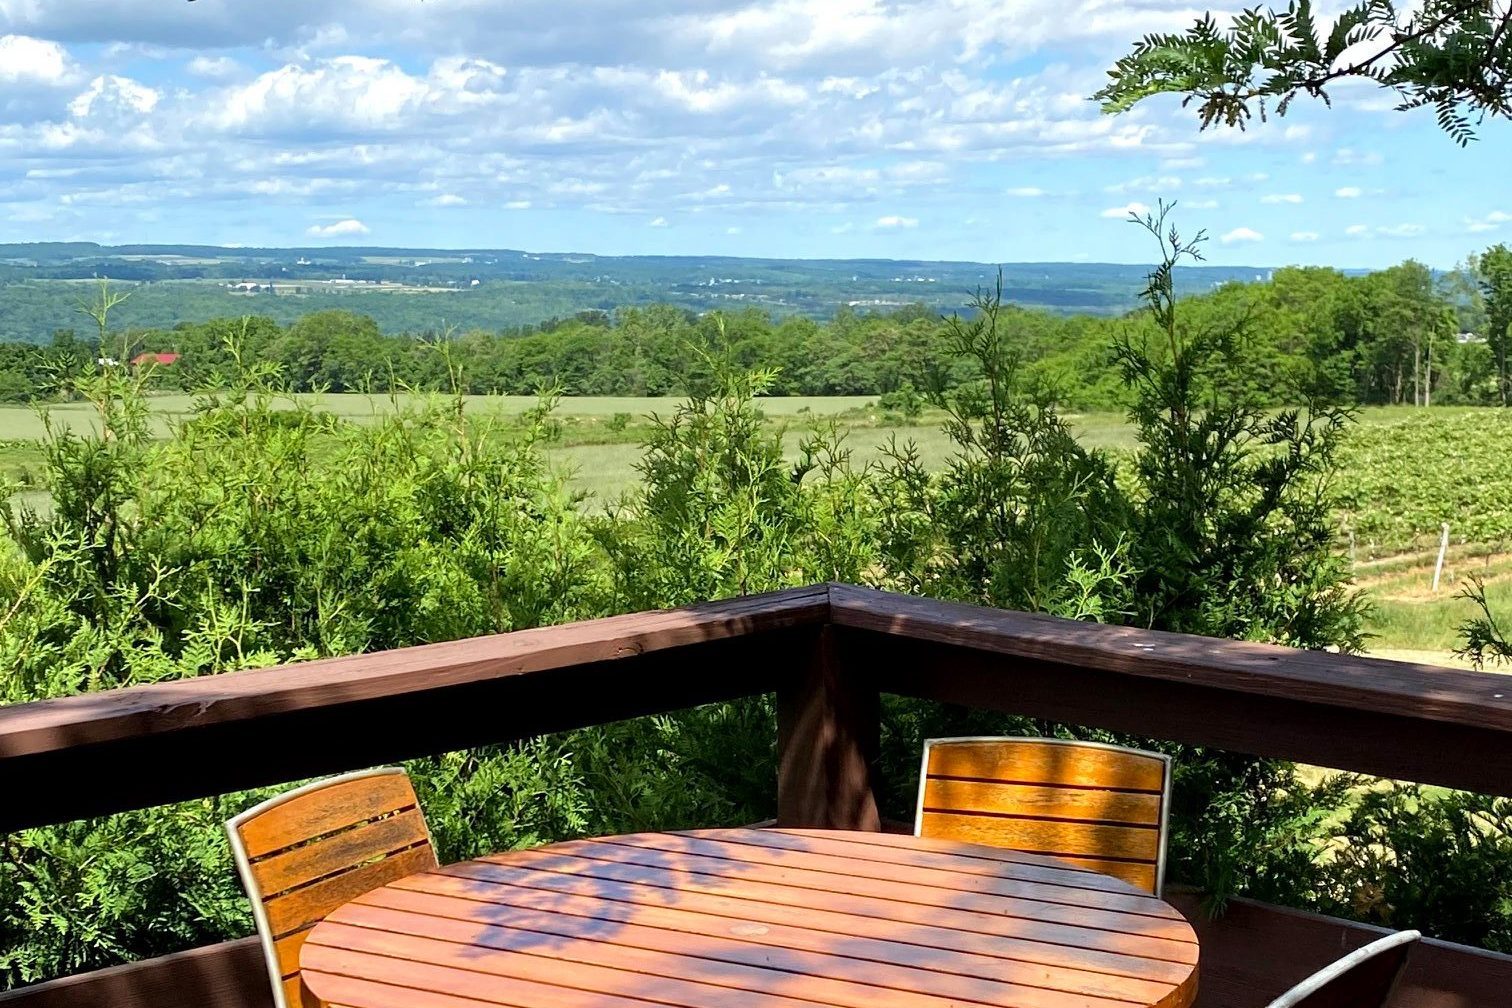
pixel 1403 472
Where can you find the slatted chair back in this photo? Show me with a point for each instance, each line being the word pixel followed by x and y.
pixel 305 853
pixel 1097 806
pixel 1365 978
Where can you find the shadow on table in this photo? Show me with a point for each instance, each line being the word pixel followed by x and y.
pixel 780 919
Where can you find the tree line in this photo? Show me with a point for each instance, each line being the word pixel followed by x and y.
pixel 1403 335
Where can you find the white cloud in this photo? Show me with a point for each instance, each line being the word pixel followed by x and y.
pixel 33 60
pixel 1274 198
pixel 446 200
pixel 518 204
pixel 1146 183
pixel 1199 204
pixel 658 222
pixel 1349 192
pixel 214 67
pixel 1304 236
pixel 1491 222
pixel 1027 192
pixel 734 229
pixel 1241 234
pixel 1350 156
pixel 1134 209
pixel 894 222
pixel 1385 231
pixel 111 95
pixel 340 229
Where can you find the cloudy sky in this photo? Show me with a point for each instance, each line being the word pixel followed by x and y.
pixel 882 128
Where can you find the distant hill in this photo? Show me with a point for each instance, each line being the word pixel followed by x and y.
pixel 427 290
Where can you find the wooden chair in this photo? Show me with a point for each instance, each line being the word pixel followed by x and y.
pixel 1098 806
pixel 305 853
pixel 1363 979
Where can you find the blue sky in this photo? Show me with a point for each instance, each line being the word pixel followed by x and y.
pixel 949 129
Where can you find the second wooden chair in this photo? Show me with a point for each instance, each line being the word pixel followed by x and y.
pixel 303 854
pixel 1096 806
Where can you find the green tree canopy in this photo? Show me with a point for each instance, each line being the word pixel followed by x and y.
pixel 1452 55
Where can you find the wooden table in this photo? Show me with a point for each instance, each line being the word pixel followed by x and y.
pixel 754 919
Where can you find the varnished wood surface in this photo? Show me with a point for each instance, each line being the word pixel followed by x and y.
pixel 755 919
pixel 307 853
pixel 370 709
pixel 1096 806
pixel 1457 696
pixel 826 651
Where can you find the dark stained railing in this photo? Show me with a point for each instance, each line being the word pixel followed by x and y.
pixel 828 653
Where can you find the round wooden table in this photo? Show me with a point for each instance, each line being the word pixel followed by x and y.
pixel 754 919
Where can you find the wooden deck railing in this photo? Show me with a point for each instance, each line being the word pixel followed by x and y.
pixel 828 653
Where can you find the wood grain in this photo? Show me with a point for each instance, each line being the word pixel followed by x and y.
pixel 722 917
pixel 389 706
pixel 342 852
pixel 302 907
pixel 913 867
pixel 1387 735
pixel 829 721
pixel 1077 804
pixel 338 806
pixel 902 964
pixel 1424 692
pixel 1037 762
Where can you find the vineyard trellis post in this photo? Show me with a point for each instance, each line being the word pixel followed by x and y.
pixel 1438 568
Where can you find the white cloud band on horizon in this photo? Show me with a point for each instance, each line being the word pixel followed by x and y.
pixel 347 228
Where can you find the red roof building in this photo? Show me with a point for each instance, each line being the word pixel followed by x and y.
pixel 153 358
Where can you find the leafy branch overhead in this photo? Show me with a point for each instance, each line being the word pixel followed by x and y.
pixel 1454 56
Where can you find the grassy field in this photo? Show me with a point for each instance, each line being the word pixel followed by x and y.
pixel 598 447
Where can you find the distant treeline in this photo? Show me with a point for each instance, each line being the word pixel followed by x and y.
pixel 1400 335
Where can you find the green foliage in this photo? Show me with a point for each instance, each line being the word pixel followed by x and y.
pixel 1495 269
pixel 902 403
pixel 721 512
pixel 1438 859
pixel 1022 517
pixel 1485 640
pixel 1452 55
pixel 1399 481
pixel 1233 534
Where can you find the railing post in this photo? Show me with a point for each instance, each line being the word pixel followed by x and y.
pixel 828 724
